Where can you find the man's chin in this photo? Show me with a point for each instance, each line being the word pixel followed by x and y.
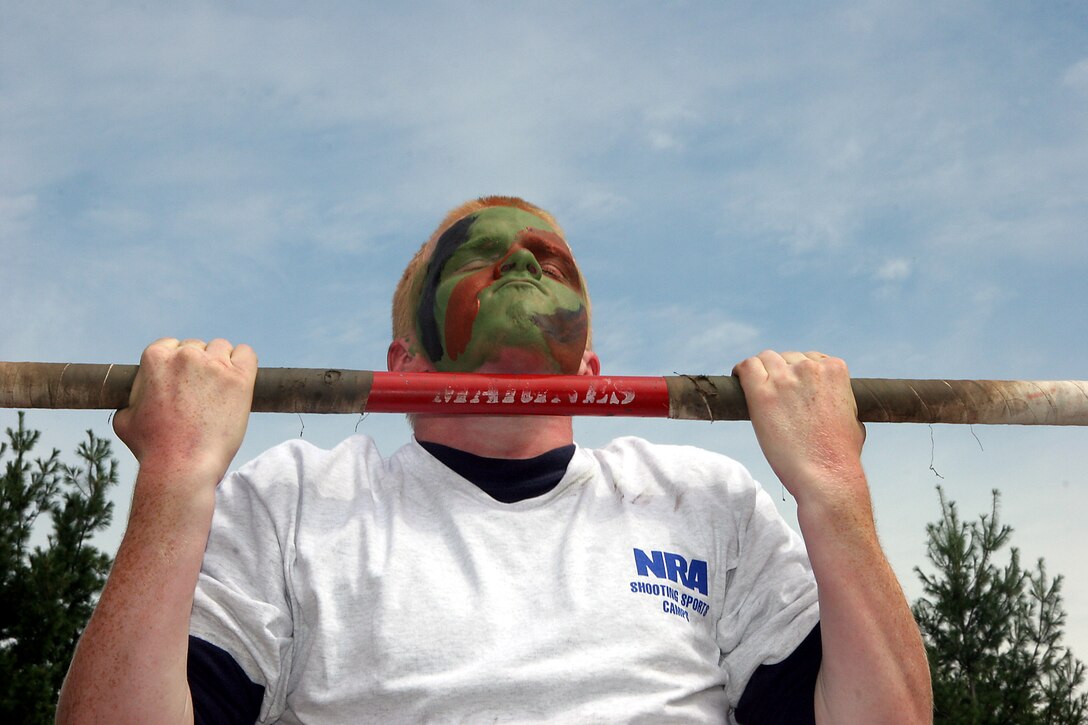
pixel 518 361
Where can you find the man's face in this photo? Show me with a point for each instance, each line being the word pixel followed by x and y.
pixel 502 285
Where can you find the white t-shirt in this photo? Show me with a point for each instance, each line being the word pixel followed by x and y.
pixel 648 585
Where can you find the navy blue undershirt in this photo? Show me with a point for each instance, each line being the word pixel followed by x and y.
pixel 504 479
pixel 779 693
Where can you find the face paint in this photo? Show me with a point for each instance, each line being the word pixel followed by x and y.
pixel 429 334
pixel 502 280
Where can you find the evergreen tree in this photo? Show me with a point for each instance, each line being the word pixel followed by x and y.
pixel 47 593
pixel 994 632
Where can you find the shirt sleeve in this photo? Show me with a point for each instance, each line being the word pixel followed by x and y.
pixel 242 603
pixel 770 602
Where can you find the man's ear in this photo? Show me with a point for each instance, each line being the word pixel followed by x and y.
pixel 401 359
pixel 591 364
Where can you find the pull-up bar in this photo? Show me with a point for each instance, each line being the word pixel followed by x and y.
pixel 690 397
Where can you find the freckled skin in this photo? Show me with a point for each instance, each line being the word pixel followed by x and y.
pixel 505 280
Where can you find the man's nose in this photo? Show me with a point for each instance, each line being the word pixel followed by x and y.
pixel 521 260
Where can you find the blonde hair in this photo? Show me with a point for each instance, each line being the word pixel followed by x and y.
pixel 406 296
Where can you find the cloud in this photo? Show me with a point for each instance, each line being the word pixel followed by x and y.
pixel 637 337
pixel 115 221
pixel 894 270
pixel 597 203
pixel 1076 76
pixel 667 126
pixel 15 212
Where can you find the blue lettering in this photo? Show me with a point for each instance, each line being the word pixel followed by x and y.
pixel 655 565
pixel 697 576
pixel 656 590
pixel 694 603
pixel 676 567
pixel 666 565
pixel 669 608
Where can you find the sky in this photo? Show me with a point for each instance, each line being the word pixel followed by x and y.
pixel 903 185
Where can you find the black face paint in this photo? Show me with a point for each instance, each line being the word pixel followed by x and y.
pixel 565 332
pixel 444 248
pixel 564 326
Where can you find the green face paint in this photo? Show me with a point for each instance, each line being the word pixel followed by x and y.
pixel 507 283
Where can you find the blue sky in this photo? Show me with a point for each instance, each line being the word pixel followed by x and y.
pixel 902 185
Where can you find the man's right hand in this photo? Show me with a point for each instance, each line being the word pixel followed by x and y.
pixel 189 406
pixel 185 421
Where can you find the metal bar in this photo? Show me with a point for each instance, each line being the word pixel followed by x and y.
pixel 691 397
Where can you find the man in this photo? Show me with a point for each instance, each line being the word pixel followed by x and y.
pixel 491 569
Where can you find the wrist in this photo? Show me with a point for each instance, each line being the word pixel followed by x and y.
pixel 835 502
pixel 189 467
pixel 186 489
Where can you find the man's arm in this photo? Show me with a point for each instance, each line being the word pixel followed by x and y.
pixel 186 419
pixel 874 664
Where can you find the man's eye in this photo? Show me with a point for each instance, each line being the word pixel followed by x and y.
pixel 473 266
pixel 553 270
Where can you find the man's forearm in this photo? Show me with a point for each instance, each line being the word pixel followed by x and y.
pixel 130 664
pixel 874 664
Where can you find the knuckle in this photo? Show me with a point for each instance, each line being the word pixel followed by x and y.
pixel 188 353
pixel 154 354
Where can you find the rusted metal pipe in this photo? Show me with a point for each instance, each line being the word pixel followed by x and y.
pixel 690 397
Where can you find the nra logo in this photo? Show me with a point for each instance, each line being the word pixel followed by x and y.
pixel 666 565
